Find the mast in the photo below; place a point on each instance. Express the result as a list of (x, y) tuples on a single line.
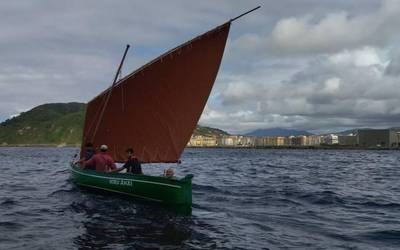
[(109, 93), (247, 12)]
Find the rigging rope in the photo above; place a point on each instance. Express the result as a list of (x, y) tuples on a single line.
[(109, 93)]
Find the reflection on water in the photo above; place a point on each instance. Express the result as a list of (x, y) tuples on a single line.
[(109, 223)]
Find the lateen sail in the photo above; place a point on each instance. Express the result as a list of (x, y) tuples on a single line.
[(156, 108)]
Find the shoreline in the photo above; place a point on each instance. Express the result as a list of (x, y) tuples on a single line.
[(322, 147), (305, 147), (40, 146)]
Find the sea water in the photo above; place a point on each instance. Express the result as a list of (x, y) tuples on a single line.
[(242, 199)]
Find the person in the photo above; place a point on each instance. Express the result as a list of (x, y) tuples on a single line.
[(169, 173), (132, 165), (89, 153), (102, 161)]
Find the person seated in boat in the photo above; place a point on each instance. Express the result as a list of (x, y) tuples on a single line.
[(169, 173), (89, 153), (102, 161), (132, 165)]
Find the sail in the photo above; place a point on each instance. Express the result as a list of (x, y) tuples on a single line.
[(155, 109)]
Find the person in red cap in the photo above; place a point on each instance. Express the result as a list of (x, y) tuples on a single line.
[(102, 161)]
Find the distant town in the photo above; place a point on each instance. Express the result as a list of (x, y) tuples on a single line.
[(362, 138), (60, 124)]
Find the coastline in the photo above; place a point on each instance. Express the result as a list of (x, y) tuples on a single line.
[(319, 147), (41, 146)]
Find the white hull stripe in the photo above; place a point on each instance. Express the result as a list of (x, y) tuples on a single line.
[(111, 190), (105, 177)]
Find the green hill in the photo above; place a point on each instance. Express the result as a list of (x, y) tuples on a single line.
[(207, 131), (56, 124)]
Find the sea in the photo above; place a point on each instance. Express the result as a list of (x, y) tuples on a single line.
[(242, 199)]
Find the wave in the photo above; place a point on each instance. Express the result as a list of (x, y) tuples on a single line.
[(10, 225), (322, 198), (62, 192), (8, 202), (387, 236), (210, 189), (379, 204)]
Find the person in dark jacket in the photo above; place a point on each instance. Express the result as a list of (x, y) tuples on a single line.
[(132, 165), (89, 153)]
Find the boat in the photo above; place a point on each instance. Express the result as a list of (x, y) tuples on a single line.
[(153, 110), (175, 192)]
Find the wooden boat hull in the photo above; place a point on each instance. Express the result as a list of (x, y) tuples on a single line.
[(154, 188)]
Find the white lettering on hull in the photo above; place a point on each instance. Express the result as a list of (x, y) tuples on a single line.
[(121, 182)]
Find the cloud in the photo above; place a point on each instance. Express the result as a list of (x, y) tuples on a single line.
[(341, 90), (327, 32)]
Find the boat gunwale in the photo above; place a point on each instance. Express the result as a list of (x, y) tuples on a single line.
[(120, 192), (156, 180)]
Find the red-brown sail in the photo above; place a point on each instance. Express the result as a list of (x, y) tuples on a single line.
[(156, 108)]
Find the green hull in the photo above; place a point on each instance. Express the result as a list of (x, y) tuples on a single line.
[(159, 189)]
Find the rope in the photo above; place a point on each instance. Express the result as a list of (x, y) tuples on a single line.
[(109, 93)]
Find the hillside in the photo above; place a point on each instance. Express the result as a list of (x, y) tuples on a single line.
[(56, 124), (277, 132), (208, 131)]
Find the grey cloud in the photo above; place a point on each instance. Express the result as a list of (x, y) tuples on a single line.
[(322, 32), (393, 68), (342, 90)]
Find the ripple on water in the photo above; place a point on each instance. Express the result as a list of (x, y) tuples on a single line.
[(322, 198), (385, 237), (8, 202), (242, 199)]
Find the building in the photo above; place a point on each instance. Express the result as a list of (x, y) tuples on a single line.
[(371, 138), (299, 140), (271, 141), (228, 141), (330, 139), (280, 141), (260, 141), (202, 141), (296, 140), (347, 140), (248, 141), (314, 140), (398, 139)]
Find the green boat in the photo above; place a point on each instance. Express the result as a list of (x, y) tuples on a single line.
[(171, 192), (154, 111)]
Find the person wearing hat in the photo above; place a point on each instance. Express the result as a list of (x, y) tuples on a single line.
[(102, 161)]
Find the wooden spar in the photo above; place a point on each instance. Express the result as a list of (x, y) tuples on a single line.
[(109, 93), (233, 19), (120, 65)]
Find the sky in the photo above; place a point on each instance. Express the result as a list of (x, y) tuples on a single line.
[(321, 66)]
